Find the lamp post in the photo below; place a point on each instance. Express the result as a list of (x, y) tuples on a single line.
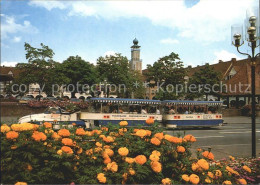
[(252, 39)]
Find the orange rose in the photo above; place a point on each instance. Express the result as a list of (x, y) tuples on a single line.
[(208, 155), (12, 135), (246, 168), (64, 133), (241, 181), (39, 136), (159, 135), (67, 141), (155, 141), (203, 164), (140, 159), (149, 121), (156, 166), (180, 149), (190, 138), (55, 136), (67, 149), (47, 125), (80, 132)]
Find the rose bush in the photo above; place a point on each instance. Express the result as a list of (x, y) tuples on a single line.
[(113, 155)]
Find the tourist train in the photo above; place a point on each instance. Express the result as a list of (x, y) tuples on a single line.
[(103, 111)]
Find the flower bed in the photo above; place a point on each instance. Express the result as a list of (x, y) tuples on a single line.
[(114, 155)]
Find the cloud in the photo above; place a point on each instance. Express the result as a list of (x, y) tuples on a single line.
[(49, 5), (80, 8), (9, 64), (207, 21), (169, 41), (224, 56), (16, 39), (10, 26), (110, 53)]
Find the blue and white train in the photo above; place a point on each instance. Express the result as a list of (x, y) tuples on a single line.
[(169, 113), (181, 113)]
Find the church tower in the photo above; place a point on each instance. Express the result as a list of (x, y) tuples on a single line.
[(135, 62)]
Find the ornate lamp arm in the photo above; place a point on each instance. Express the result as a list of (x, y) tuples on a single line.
[(244, 53), (258, 54)]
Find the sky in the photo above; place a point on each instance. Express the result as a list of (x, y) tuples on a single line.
[(198, 30)]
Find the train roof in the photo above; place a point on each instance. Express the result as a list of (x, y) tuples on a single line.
[(125, 100), (190, 102), (154, 102)]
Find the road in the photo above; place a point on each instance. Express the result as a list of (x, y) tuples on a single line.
[(231, 139)]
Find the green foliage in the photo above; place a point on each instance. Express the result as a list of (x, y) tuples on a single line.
[(40, 69), (79, 72), (204, 81), (115, 69), (168, 70)]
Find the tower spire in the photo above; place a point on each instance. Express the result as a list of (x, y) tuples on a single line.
[(135, 62)]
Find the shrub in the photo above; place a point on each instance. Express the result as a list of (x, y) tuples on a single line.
[(113, 154)]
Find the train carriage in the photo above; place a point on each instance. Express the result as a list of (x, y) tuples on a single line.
[(110, 110), (181, 113)]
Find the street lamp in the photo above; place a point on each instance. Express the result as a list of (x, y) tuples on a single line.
[(252, 38)]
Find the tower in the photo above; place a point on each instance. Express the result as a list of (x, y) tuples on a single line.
[(135, 62)]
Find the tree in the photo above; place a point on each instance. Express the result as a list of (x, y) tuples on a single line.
[(168, 73), (115, 70), (202, 82), (80, 74), (40, 68)]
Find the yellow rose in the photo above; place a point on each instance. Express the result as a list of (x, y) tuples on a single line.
[(227, 183), (185, 177), (194, 179), (112, 166), (166, 181), (123, 151), (5, 128), (246, 168), (101, 178), (123, 123), (129, 160), (59, 152), (132, 171)]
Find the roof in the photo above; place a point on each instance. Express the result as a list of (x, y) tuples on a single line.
[(242, 76), (124, 100), (188, 102), (5, 71), (221, 67)]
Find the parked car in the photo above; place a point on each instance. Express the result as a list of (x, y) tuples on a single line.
[(25, 100), (50, 98), (75, 100)]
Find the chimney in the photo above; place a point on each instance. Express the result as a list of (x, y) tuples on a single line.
[(189, 66), (220, 61), (233, 60)]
